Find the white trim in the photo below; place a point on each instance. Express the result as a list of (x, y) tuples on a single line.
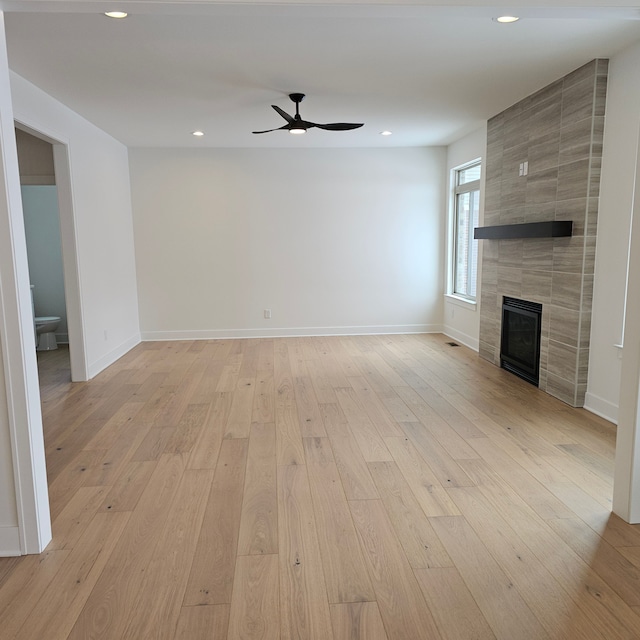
[(601, 407), (466, 303), (288, 332), (100, 365), (18, 340), (69, 243), (459, 336), (10, 542), (70, 263)]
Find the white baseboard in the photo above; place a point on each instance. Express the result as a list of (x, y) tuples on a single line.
[(100, 365), (459, 336), (601, 407), (10, 542), (288, 332)]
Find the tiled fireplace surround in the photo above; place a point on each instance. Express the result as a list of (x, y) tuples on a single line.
[(558, 131)]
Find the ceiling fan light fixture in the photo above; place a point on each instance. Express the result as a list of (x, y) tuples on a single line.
[(297, 126)]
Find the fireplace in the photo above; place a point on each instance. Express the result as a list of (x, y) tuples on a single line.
[(520, 345)]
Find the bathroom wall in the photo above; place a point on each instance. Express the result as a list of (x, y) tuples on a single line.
[(42, 230), (559, 132)]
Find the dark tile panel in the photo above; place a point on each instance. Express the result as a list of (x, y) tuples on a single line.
[(566, 290), (573, 180), (594, 176), (574, 210), (576, 140), (537, 254), (536, 286), (585, 329), (537, 100), (601, 96), (540, 212), (568, 254), (578, 101), (545, 119), (514, 192), (563, 361), (512, 157), (510, 253), (584, 73), (602, 68), (589, 255), (509, 282), (565, 325), (564, 390), (542, 186), (593, 205), (544, 152), (487, 352), (512, 215)]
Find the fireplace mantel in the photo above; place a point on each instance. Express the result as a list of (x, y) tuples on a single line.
[(552, 229)]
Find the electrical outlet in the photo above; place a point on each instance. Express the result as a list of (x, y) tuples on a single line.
[(267, 314)]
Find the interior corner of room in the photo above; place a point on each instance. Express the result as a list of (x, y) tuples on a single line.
[(170, 243)]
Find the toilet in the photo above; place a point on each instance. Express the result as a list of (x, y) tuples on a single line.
[(45, 332), (45, 328)]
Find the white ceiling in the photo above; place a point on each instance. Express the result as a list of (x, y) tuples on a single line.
[(428, 73)]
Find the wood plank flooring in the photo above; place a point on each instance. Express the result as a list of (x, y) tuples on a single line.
[(330, 488)]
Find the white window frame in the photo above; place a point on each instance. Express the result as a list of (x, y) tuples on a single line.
[(453, 218)]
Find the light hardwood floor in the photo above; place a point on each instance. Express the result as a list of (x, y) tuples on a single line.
[(370, 487)]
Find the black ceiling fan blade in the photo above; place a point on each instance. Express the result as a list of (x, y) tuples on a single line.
[(339, 126), (284, 114), (286, 126)]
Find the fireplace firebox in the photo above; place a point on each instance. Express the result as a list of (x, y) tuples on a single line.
[(520, 345)]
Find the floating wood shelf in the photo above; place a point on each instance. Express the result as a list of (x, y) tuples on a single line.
[(553, 229)]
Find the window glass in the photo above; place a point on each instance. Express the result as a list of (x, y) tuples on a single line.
[(467, 209)]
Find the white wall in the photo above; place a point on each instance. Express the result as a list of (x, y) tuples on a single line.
[(25, 525), (102, 214), (461, 318), (616, 199), (42, 231), (331, 240)]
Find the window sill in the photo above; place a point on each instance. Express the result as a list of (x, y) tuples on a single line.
[(461, 302)]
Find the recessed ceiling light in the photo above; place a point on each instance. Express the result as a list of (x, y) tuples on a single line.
[(385, 133), (507, 19), (116, 14), (198, 134)]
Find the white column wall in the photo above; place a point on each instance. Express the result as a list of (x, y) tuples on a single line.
[(461, 318), (612, 246), (102, 223), (24, 507)]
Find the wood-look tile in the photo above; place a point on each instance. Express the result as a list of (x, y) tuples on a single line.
[(524, 457), (345, 573), (499, 601), (402, 606)]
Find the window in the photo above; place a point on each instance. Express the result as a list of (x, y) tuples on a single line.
[(465, 219)]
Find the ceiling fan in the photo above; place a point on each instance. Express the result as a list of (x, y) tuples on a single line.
[(295, 124)]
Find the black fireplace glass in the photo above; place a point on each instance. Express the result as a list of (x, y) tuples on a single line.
[(520, 347)]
